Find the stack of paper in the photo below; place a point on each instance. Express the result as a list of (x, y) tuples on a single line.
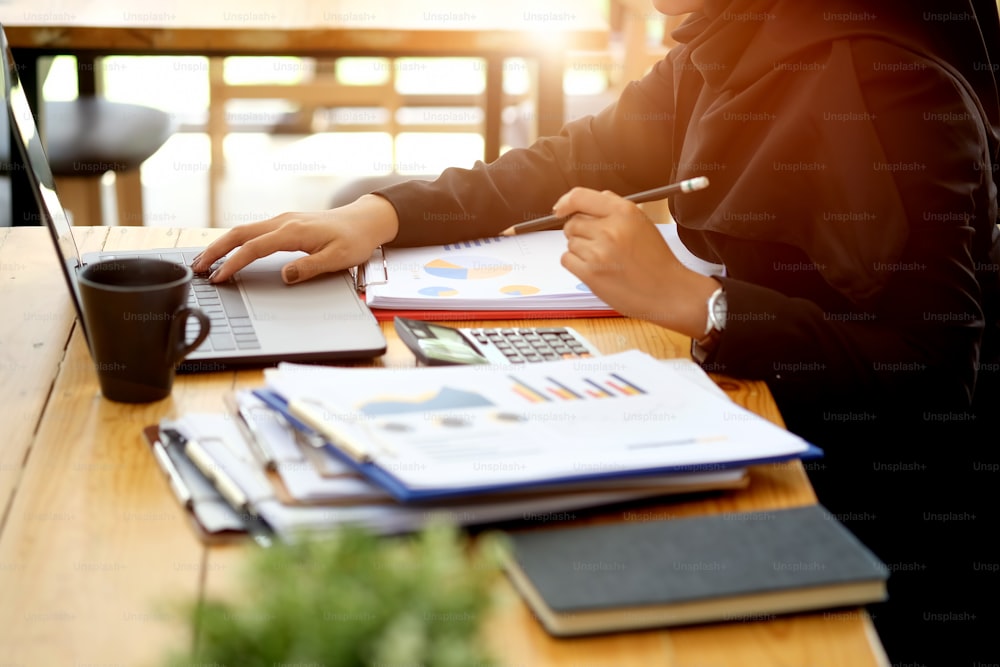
[(264, 477), (500, 273), (389, 449), (520, 273), (461, 431)]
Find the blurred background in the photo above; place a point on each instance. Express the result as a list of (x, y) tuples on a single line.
[(286, 147)]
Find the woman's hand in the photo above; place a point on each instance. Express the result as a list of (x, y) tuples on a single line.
[(335, 239), (619, 253)]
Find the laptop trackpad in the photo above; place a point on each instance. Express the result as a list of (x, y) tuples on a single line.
[(325, 297)]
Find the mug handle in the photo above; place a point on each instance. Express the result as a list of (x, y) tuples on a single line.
[(181, 350)]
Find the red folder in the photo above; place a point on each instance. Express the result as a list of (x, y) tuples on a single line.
[(386, 314)]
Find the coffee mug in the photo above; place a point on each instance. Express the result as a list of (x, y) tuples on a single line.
[(135, 314)]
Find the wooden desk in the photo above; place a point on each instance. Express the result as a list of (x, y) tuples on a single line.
[(93, 543), (494, 31)]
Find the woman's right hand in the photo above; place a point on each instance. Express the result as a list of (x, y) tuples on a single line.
[(335, 239)]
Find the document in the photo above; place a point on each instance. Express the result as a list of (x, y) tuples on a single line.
[(222, 452), (432, 432), (504, 273)]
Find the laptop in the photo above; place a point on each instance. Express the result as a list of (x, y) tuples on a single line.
[(257, 319)]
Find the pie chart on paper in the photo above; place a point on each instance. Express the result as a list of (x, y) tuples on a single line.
[(467, 267), (438, 291), (519, 290)]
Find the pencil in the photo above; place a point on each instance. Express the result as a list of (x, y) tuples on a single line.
[(555, 222)]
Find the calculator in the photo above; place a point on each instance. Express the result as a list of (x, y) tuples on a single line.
[(439, 345)]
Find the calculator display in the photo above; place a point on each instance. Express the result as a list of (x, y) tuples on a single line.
[(449, 345)]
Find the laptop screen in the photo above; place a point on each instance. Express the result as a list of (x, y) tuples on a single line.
[(24, 133), (320, 320)]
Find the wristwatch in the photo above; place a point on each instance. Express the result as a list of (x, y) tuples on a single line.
[(716, 323)]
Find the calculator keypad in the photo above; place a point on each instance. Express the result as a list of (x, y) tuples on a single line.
[(532, 345)]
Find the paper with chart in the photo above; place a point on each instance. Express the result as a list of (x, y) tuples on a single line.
[(351, 500), (490, 426), (498, 273)]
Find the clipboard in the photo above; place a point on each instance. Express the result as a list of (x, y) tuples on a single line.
[(388, 517), (211, 517), (368, 273)]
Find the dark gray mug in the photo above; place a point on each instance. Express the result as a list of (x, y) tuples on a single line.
[(135, 313)]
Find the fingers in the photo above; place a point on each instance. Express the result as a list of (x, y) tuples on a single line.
[(586, 206), (576, 265), (587, 201), (581, 248), (311, 266), (287, 236), (591, 261), (248, 243), (235, 237)]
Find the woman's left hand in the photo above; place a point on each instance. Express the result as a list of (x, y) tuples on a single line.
[(615, 249)]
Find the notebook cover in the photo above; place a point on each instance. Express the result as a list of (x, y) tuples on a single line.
[(630, 564)]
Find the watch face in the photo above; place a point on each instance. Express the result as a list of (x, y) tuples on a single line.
[(719, 311), (720, 308)]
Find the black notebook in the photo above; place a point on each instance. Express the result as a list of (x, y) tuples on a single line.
[(724, 567)]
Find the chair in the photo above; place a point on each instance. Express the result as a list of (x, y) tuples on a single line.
[(324, 91), (90, 136), (628, 21)]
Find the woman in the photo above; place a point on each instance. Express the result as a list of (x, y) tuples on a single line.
[(852, 152)]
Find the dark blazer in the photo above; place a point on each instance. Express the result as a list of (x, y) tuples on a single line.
[(852, 202), (852, 154)]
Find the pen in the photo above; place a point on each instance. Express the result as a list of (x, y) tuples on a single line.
[(555, 221), (255, 439), (173, 475), (338, 434), (255, 526)]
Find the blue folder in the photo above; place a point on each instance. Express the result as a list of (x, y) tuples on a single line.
[(405, 494)]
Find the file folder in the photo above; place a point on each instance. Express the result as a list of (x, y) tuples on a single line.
[(498, 407)]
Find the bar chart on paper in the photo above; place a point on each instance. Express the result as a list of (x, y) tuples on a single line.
[(579, 388)]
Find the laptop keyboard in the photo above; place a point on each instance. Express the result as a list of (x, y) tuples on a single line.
[(232, 329)]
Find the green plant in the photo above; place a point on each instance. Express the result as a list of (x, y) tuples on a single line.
[(353, 598)]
